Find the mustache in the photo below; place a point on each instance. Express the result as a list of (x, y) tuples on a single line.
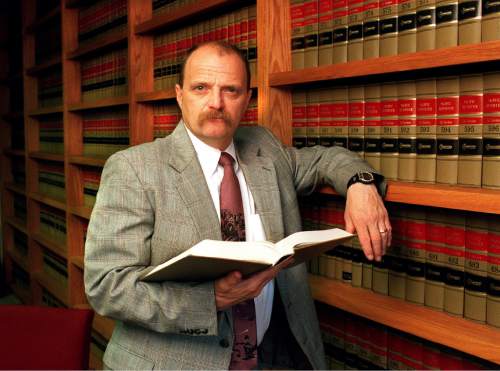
[(215, 115)]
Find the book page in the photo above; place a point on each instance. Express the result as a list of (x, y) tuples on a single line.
[(308, 238)]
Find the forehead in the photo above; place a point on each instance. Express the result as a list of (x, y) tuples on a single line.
[(210, 63)]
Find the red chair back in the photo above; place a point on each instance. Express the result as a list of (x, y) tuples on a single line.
[(34, 337)]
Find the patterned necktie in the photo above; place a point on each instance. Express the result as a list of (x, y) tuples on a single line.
[(244, 356)]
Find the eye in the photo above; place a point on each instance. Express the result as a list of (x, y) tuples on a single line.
[(199, 87), (231, 89)]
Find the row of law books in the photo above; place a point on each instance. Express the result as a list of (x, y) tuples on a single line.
[(51, 134), (105, 132), (48, 41), (446, 260), (238, 28), (101, 18), (20, 208), (355, 343), (338, 31), (51, 180), (50, 89), (168, 6), (55, 266), (434, 130), (91, 179), (52, 223), (104, 76)]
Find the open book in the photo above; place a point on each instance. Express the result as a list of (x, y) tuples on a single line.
[(209, 259)]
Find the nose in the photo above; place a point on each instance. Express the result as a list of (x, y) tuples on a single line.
[(215, 100)]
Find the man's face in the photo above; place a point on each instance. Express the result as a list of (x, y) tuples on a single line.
[(214, 95)]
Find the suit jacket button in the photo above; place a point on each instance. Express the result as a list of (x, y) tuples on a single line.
[(224, 343)]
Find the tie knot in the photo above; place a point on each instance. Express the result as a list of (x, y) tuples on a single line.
[(226, 159)]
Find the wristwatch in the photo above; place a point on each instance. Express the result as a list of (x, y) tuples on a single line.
[(361, 177)]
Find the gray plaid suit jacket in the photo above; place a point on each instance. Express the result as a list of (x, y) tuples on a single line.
[(153, 203)]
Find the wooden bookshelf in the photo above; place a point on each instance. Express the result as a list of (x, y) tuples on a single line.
[(468, 336), (42, 21), (77, 261), (87, 161), (81, 211), (18, 259), (430, 59), (16, 223), (99, 103), (55, 288), (56, 247), (58, 204), (155, 96), (104, 42), (16, 188), (42, 67), (22, 294), (47, 156), (45, 111), (14, 152)]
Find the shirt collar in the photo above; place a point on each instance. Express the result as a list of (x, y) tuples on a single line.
[(209, 156)]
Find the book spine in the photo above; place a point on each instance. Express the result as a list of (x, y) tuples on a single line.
[(389, 131), (426, 25), (426, 131), (469, 22), (476, 267), (325, 32), (356, 96), (388, 27), (297, 25), (371, 29), (415, 243), (470, 130), (252, 39), (446, 23), (372, 125), (312, 112), (493, 293), (378, 335), (299, 118), (407, 131), (407, 26), (491, 131), (340, 116), (489, 20), (311, 33), (355, 30), (325, 117), (397, 255), (447, 89), (340, 26)]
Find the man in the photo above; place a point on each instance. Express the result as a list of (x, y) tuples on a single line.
[(158, 199)]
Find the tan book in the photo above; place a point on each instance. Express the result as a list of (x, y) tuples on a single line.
[(371, 31), (426, 130), (297, 20), (493, 291), (252, 40), (211, 259), (446, 23), (357, 263), (388, 27), (447, 90), (312, 113), (372, 125), (340, 116), (311, 33), (326, 128), (469, 22), (355, 30), (325, 32), (476, 267), (407, 26), (397, 253), (470, 130), (435, 258), (389, 131), (415, 247), (407, 130), (455, 254), (490, 25), (299, 118), (339, 31), (426, 25), (243, 19), (380, 277), (356, 136), (491, 131)]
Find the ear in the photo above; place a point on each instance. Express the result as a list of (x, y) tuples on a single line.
[(178, 93)]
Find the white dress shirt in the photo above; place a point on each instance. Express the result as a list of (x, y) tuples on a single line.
[(254, 231)]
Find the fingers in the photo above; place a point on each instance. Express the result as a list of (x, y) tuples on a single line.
[(365, 241)]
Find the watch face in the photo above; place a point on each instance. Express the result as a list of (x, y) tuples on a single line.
[(365, 177)]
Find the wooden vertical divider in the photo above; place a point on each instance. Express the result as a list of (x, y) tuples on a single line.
[(140, 72), (274, 55)]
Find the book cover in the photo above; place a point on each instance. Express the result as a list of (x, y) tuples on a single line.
[(340, 116), (388, 28), (355, 15), (90, 179), (447, 90), (397, 254), (491, 131), (326, 128), (311, 33), (356, 134), (407, 26), (371, 30), (407, 130), (325, 32), (378, 335), (426, 130), (476, 267), (252, 39), (210, 259), (340, 31), (426, 25), (312, 116), (469, 22), (297, 25), (415, 245), (372, 125), (493, 291), (389, 131), (299, 118), (489, 20), (446, 23), (470, 130)]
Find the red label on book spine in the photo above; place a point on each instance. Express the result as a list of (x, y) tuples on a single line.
[(407, 107), (426, 122), (427, 106), (340, 110), (477, 241), (471, 104), (389, 108), (372, 109), (492, 103), (447, 106)]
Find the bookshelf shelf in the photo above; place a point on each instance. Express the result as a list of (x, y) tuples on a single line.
[(104, 42), (42, 21), (468, 336), (459, 55), (18, 259), (77, 261), (55, 288), (58, 204), (13, 117), (87, 161), (42, 67), (198, 9), (16, 223), (104, 326), (56, 247), (13, 187), (47, 156), (14, 152), (155, 96), (45, 111), (101, 103), (438, 195), (81, 211)]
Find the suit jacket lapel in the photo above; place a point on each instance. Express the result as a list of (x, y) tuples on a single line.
[(192, 186)]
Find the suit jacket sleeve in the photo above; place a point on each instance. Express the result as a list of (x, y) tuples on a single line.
[(117, 251)]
